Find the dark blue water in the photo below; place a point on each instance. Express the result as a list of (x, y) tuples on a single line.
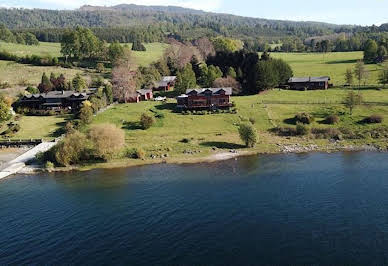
[(320, 209)]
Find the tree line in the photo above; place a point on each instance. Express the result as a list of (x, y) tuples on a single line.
[(18, 37)]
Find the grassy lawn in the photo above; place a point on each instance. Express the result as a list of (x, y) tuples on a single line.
[(220, 130), (43, 49), (329, 64), (21, 75), (154, 53), (46, 127)]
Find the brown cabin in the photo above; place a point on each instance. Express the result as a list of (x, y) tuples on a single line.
[(141, 95), (309, 83), (209, 98), (53, 100), (166, 84)]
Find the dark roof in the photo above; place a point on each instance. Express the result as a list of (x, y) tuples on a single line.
[(308, 79), (57, 95), (213, 91)]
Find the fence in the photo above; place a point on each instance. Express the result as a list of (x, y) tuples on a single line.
[(19, 142)]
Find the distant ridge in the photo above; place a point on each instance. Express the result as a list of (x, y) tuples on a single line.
[(186, 22)]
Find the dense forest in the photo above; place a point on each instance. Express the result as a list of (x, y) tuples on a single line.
[(150, 23)]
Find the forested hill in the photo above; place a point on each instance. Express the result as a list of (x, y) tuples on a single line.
[(181, 22)]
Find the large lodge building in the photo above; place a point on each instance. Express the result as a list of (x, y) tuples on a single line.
[(210, 98)]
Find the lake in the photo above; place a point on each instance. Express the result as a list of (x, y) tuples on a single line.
[(274, 210)]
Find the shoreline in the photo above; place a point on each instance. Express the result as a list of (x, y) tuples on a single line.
[(215, 157)]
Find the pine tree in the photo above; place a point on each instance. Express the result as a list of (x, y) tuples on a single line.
[(185, 79), (45, 84)]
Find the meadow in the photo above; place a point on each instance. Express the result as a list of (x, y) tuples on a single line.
[(43, 49), (176, 133), (327, 64), (21, 75)]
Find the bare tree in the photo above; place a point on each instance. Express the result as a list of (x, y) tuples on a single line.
[(360, 72), (181, 53), (228, 82), (124, 78), (205, 47)]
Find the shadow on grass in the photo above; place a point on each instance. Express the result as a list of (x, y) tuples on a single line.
[(350, 61), (290, 121), (166, 106), (222, 145), (59, 131), (132, 125)]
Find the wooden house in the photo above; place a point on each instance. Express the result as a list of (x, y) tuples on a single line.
[(165, 84), (309, 83), (209, 98), (53, 100)]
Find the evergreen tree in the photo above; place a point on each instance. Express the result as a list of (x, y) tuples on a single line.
[(185, 79), (196, 66), (138, 46), (108, 91), (115, 51), (265, 76), (370, 51), (231, 73), (79, 84), (45, 84)]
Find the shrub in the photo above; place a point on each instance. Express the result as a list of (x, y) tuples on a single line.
[(71, 149), (248, 134), (140, 154), (49, 165), (86, 113), (185, 140), (302, 129), (146, 121), (374, 119), (252, 120), (326, 133), (304, 118), (285, 131), (332, 119), (136, 153), (107, 140)]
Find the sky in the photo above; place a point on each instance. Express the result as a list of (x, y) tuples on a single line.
[(358, 12)]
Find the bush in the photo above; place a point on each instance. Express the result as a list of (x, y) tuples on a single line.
[(252, 120), (332, 119), (185, 140), (304, 118), (302, 129), (107, 140), (71, 149), (374, 119), (248, 135), (140, 154), (326, 133), (146, 121), (285, 131), (136, 153), (49, 165)]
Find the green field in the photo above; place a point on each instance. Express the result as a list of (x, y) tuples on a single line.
[(43, 49), (36, 127), (329, 64), (154, 53), (220, 130), (22, 75)]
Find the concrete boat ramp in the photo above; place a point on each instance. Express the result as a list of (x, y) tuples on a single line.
[(17, 164)]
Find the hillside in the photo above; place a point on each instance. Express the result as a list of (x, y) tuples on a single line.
[(187, 23)]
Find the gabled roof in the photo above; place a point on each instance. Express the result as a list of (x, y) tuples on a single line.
[(144, 91), (57, 95), (308, 79), (168, 78), (214, 91)]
